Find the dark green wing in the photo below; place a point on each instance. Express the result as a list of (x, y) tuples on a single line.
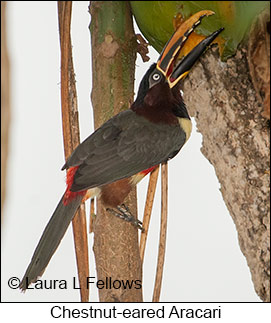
[(122, 147)]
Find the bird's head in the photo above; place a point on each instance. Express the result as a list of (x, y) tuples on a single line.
[(161, 79)]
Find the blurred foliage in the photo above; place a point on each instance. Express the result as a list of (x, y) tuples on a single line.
[(156, 20)]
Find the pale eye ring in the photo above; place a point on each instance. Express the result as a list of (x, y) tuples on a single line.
[(156, 77)]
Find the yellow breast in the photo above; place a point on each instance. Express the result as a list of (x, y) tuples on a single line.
[(186, 125)]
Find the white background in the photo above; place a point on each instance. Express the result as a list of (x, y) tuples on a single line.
[(259, 312), (203, 259)]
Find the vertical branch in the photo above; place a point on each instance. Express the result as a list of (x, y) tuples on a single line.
[(5, 101), (91, 214), (114, 46), (163, 233), (71, 136), (147, 211)]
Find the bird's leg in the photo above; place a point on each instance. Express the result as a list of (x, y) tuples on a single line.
[(124, 213)]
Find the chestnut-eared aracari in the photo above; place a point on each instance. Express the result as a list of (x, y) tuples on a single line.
[(127, 147)]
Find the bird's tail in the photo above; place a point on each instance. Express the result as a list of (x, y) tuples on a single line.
[(50, 239)]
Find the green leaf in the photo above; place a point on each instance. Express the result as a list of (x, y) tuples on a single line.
[(155, 19)]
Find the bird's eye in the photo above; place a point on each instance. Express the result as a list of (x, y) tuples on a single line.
[(156, 77)]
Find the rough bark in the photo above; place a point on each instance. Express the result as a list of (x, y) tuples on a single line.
[(5, 102), (225, 105), (113, 62)]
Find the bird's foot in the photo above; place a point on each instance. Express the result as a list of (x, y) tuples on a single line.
[(124, 213)]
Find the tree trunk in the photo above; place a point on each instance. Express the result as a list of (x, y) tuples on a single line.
[(5, 102), (113, 63), (235, 134)]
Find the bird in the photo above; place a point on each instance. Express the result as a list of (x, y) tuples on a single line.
[(127, 147)]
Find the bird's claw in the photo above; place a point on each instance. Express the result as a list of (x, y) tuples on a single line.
[(125, 214)]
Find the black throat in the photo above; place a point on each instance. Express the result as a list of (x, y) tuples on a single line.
[(159, 104)]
